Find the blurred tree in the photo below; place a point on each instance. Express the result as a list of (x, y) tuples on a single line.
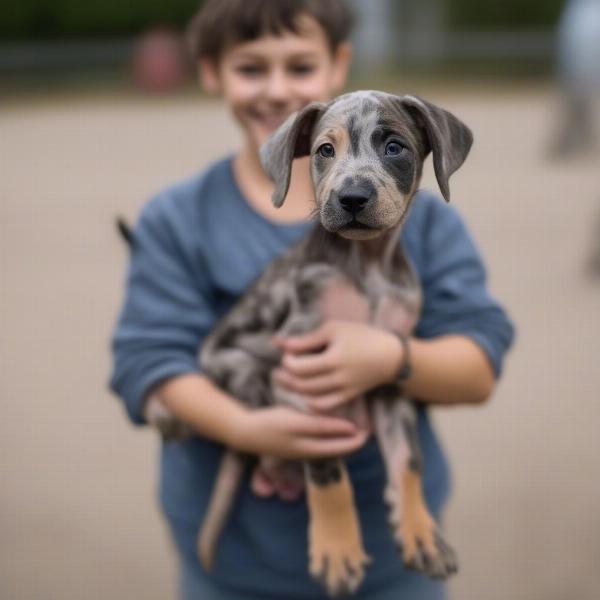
[(508, 14), (55, 19), (59, 19)]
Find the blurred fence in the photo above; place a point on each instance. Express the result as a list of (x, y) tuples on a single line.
[(35, 56), (21, 57), (37, 36)]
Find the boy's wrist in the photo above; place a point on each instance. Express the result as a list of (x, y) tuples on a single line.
[(404, 370), (218, 416), (399, 362), (239, 433)]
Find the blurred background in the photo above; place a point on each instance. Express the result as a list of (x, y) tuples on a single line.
[(99, 109)]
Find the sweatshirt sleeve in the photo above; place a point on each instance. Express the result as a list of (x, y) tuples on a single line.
[(456, 297), (167, 311)]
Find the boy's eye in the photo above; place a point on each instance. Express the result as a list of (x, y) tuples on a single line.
[(249, 69), (326, 150), (394, 149), (302, 69)]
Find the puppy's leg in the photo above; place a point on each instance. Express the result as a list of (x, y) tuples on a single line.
[(336, 554), (417, 535)]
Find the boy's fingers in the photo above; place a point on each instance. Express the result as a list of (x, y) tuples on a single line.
[(308, 342), (323, 384), (307, 364), (327, 403), (321, 426)]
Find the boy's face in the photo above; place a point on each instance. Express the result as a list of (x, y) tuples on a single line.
[(265, 80)]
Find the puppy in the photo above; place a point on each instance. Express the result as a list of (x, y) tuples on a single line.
[(366, 151)]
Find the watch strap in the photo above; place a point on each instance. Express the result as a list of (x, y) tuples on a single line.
[(405, 370)]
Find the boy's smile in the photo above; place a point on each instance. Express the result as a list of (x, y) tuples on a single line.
[(265, 80)]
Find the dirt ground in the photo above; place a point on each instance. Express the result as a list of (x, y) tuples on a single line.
[(78, 514)]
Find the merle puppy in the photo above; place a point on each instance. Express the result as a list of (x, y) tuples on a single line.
[(367, 151)]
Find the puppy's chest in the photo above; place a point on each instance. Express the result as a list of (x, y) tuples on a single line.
[(384, 303)]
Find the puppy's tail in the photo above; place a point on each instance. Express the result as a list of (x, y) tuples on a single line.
[(125, 231), (226, 485)]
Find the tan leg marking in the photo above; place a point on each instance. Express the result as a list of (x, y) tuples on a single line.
[(422, 544), (416, 524), (336, 553)]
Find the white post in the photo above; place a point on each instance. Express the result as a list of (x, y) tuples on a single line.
[(374, 35)]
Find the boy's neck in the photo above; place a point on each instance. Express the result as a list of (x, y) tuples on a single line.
[(257, 188)]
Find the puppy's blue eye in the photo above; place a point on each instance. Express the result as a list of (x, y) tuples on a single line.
[(327, 151), (394, 149)]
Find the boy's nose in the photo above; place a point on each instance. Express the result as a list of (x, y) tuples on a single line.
[(277, 87)]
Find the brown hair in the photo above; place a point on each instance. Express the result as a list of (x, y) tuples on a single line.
[(222, 23)]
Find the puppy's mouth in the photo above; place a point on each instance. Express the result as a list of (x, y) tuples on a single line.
[(365, 224), (337, 223), (356, 224), (358, 230)]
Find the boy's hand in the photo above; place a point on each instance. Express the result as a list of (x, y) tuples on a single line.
[(286, 433), (351, 358)]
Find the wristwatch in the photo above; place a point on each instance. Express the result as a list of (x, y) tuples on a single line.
[(405, 370)]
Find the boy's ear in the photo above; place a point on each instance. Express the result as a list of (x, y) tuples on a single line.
[(209, 76), (449, 138), (342, 58), (291, 140)]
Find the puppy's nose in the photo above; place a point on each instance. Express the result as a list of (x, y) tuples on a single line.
[(354, 201)]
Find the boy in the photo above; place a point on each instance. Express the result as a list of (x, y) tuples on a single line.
[(201, 243)]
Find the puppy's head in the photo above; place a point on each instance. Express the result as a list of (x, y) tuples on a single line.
[(367, 151)]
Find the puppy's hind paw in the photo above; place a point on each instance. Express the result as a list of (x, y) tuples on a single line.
[(434, 557), (339, 570)]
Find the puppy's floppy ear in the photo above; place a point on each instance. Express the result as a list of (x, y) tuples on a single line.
[(290, 141), (449, 139)]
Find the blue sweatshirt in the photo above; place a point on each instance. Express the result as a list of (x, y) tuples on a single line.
[(198, 246)]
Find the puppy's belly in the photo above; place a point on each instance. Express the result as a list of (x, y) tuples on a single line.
[(342, 301)]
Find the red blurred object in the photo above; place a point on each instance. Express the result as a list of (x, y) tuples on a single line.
[(159, 62)]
